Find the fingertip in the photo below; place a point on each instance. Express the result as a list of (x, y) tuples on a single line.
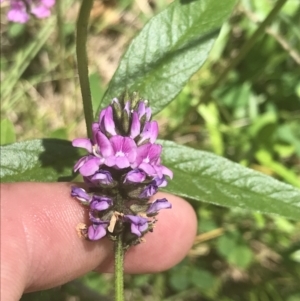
[(172, 238), (170, 241)]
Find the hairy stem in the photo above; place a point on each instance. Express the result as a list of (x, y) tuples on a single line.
[(82, 62), (119, 269)]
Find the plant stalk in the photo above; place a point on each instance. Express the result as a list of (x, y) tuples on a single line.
[(82, 62), (119, 269)]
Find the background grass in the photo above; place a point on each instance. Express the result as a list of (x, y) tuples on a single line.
[(251, 117)]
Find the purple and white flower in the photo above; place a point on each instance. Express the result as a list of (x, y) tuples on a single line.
[(135, 176), (117, 151), (96, 231), (88, 165), (81, 195), (122, 170), (100, 203), (102, 176), (139, 224)]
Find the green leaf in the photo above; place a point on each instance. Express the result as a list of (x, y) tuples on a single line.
[(225, 243), (46, 160), (202, 279), (171, 47), (7, 134), (206, 177), (240, 256)]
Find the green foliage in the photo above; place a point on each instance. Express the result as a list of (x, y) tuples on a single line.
[(7, 134), (206, 177), (234, 250), (171, 47), (47, 160)]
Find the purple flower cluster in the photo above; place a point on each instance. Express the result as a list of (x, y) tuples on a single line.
[(20, 10), (122, 170)]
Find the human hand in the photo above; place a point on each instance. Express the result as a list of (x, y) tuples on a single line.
[(40, 247)]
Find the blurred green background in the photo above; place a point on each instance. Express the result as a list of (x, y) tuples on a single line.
[(251, 116)]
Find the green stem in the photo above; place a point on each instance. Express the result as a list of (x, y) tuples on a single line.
[(244, 49), (61, 54), (82, 62), (119, 269)]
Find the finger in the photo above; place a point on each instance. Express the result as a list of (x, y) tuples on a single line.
[(42, 245), (171, 239)]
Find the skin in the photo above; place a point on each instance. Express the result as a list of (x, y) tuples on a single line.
[(40, 247)]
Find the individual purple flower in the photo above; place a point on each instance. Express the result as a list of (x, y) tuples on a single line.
[(161, 170), (135, 176), (150, 132), (135, 126), (102, 176), (117, 151), (100, 203), (106, 122), (88, 165), (139, 224), (152, 188), (158, 205), (144, 110), (147, 155), (81, 195), (96, 231)]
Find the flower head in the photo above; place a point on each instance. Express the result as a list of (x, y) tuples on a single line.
[(123, 170)]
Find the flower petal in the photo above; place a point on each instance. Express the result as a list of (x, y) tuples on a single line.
[(104, 144), (158, 205), (138, 224), (80, 194), (102, 177), (129, 149), (166, 171), (136, 219), (141, 109), (90, 166), (135, 230), (100, 203), (154, 152), (83, 143), (117, 143), (122, 162), (135, 126), (96, 232), (80, 163), (142, 153), (148, 169), (135, 176), (148, 113), (149, 191), (150, 132), (109, 121)]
